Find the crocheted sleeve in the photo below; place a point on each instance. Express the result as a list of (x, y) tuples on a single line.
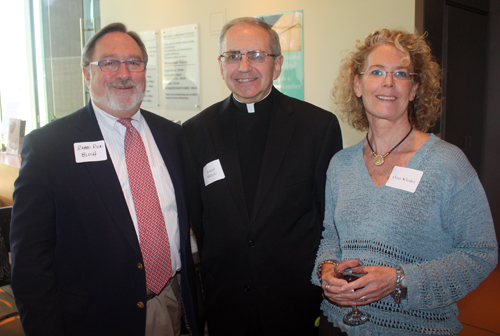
[(466, 217), (328, 248)]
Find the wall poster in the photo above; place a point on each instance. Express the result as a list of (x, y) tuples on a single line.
[(181, 71), (152, 94), (289, 27)]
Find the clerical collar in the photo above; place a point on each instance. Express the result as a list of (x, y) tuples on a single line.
[(251, 108)]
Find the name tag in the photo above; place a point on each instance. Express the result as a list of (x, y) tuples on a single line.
[(405, 179), (213, 172), (90, 151)]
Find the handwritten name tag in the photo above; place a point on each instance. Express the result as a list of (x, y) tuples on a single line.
[(213, 172), (90, 151), (405, 178)]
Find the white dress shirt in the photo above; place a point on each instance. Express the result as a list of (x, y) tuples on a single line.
[(114, 137)]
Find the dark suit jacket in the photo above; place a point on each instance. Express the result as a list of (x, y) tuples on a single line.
[(264, 261), (75, 253)]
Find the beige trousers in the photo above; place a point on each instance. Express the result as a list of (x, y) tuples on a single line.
[(164, 311)]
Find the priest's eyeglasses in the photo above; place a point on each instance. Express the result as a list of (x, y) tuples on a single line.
[(114, 65), (254, 56), (379, 74)]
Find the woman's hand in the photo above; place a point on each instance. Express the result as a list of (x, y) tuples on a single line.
[(378, 282), (335, 288)]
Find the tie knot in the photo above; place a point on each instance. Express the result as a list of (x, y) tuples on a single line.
[(127, 122)]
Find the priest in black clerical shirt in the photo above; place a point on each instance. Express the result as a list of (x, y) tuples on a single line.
[(256, 167)]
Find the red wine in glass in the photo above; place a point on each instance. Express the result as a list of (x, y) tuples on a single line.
[(349, 277)]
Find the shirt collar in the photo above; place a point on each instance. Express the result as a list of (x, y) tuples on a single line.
[(111, 122)]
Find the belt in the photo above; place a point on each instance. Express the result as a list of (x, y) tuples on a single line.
[(150, 294)]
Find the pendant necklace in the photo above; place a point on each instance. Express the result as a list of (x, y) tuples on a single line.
[(379, 159)]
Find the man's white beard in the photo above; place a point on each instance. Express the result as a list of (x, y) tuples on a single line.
[(116, 101)]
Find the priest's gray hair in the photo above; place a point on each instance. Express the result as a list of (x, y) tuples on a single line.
[(275, 39)]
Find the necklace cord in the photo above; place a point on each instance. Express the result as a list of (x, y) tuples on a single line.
[(379, 159)]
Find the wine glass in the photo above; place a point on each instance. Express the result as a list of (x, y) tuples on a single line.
[(355, 316)]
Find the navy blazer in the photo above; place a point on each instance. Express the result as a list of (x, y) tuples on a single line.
[(76, 260), (261, 262)]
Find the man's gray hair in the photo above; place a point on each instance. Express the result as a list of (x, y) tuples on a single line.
[(88, 50), (275, 39)]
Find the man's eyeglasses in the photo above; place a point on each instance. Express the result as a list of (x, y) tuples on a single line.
[(254, 56), (114, 65), (382, 74)]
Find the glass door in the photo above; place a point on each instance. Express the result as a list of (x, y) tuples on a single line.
[(42, 79), (64, 27)]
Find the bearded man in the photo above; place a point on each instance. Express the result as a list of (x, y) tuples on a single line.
[(100, 231)]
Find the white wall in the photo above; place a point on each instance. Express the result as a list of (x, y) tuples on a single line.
[(330, 29)]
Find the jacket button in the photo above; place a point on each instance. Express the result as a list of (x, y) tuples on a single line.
[(139, 266), (251, 243), (247, 288), (140, 304)]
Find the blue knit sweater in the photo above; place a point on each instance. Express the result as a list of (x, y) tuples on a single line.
[(442, 236)]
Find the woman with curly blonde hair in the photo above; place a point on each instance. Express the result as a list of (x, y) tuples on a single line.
[(405, 205)]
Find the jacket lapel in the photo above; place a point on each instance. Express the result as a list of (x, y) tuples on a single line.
[(106, 181), (222, 129), (280, 134)]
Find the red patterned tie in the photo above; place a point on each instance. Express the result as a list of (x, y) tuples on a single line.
[(155, 246)]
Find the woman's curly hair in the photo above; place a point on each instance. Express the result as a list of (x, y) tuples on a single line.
[(425, 108)]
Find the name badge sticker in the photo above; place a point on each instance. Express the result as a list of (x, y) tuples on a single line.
[(213, 172), (90, 151), (405, 178)]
